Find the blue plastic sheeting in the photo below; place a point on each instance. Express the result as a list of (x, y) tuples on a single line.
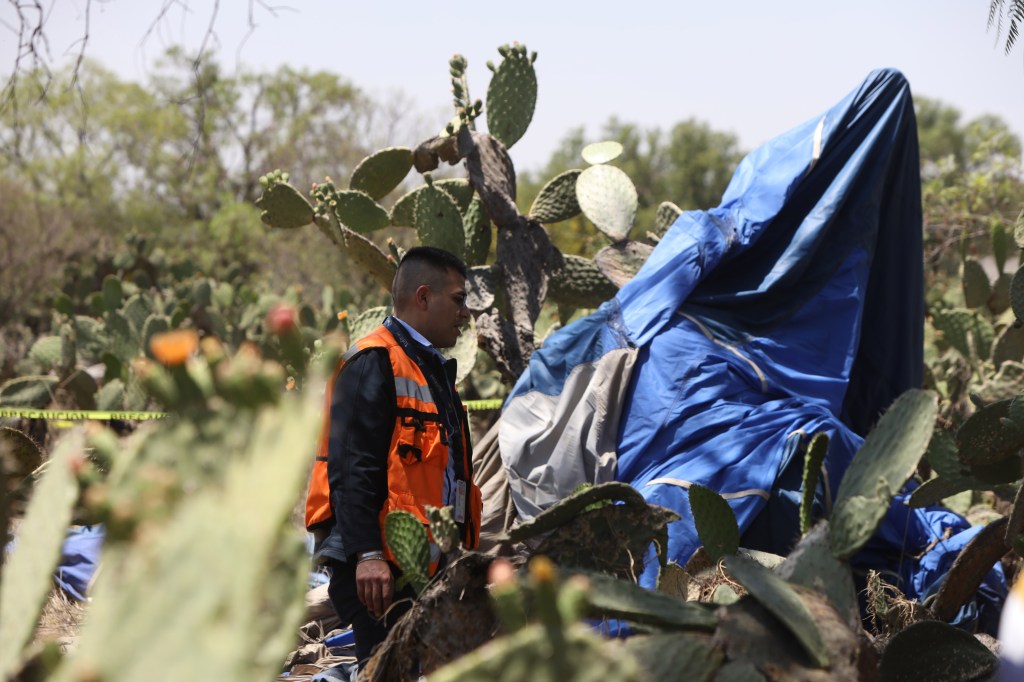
[(79, 557), (794, 307)]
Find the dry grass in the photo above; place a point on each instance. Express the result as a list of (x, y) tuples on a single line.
[(60, 621)]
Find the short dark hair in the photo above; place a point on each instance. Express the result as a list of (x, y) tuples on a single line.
[(423, 265)]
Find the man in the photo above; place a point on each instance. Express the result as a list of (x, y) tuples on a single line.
[(395, 437)]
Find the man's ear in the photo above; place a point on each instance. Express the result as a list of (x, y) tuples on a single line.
[(422, 297)]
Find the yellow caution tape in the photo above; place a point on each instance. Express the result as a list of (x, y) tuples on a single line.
[(98, 415)]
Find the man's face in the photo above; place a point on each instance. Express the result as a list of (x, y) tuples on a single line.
[(446, 311)]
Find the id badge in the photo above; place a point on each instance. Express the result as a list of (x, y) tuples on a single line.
[(460, 501)]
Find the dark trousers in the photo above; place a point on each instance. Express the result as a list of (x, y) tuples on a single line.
[(368, 631)]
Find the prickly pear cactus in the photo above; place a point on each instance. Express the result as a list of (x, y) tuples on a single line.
[(601, 152), (621, 261), (27, 572), (665, 656), (579, 283), (776, 595), (357, 211), (977, 288), (986, 438), (511, 94), (556, 200), (609, 200), (29, 391), (408, 541), (930, 650), (282, 205), (812, 472), (380, 173), (479, 233), (667, 214), (715, 522), (608, 597), (887, 458), (812, 565), (443, 528), (438, 221), (1017, 294)]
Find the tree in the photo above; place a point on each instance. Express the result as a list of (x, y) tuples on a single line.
[(1013, 13)]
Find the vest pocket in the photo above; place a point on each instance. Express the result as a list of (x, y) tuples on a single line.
[(416, 471)]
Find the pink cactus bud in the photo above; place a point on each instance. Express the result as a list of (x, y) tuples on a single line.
[(282, 319)]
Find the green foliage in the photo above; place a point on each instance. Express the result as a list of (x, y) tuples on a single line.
[(813, 460), (40, 535), (556, 201), (935, 651), (512, 95), (716, 524), (438, 221), (887, 458), (381, 172), (783, 602), (608, 198), (407, 540)]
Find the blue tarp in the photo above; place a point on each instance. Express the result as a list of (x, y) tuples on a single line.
[(794, 307)]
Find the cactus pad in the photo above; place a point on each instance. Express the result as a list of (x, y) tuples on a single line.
[(281, 205), (609, 200), (438, 221), (1009, 346), (579, 283), (47, 351), (27, 571), (111, 396), (812, 472), (365, 322), (1017, 293), (621, 261), (715, 522), (812, 565), (601, 152), (358, 211), (1018, 230), (556, 201), (113, 292), (665, 656), (931, 650), (778, 597), (478, 233), (29, 391), (464, 352), (368, 255), (985, 439), (666, 215), (887, 458), (381, 172), (613, 598), (977, 288), (407, 539), (443, 528), (511, 97)]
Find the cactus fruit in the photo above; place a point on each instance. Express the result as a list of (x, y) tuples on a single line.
[(597, 153), (621, 261), (715, 522), (556, 200), (283, 206), (985, 439), (609, 200), (930, 650), (511, 97), (976, 286), (813, 460), (27, 572), (778, 597), (579, 283), (407, 540), (378, 174), (887, 458), (438, 221)]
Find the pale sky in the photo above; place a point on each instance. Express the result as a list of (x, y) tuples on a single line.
[(749, 67)]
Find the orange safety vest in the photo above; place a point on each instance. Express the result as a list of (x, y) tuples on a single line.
[(417, 458)]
